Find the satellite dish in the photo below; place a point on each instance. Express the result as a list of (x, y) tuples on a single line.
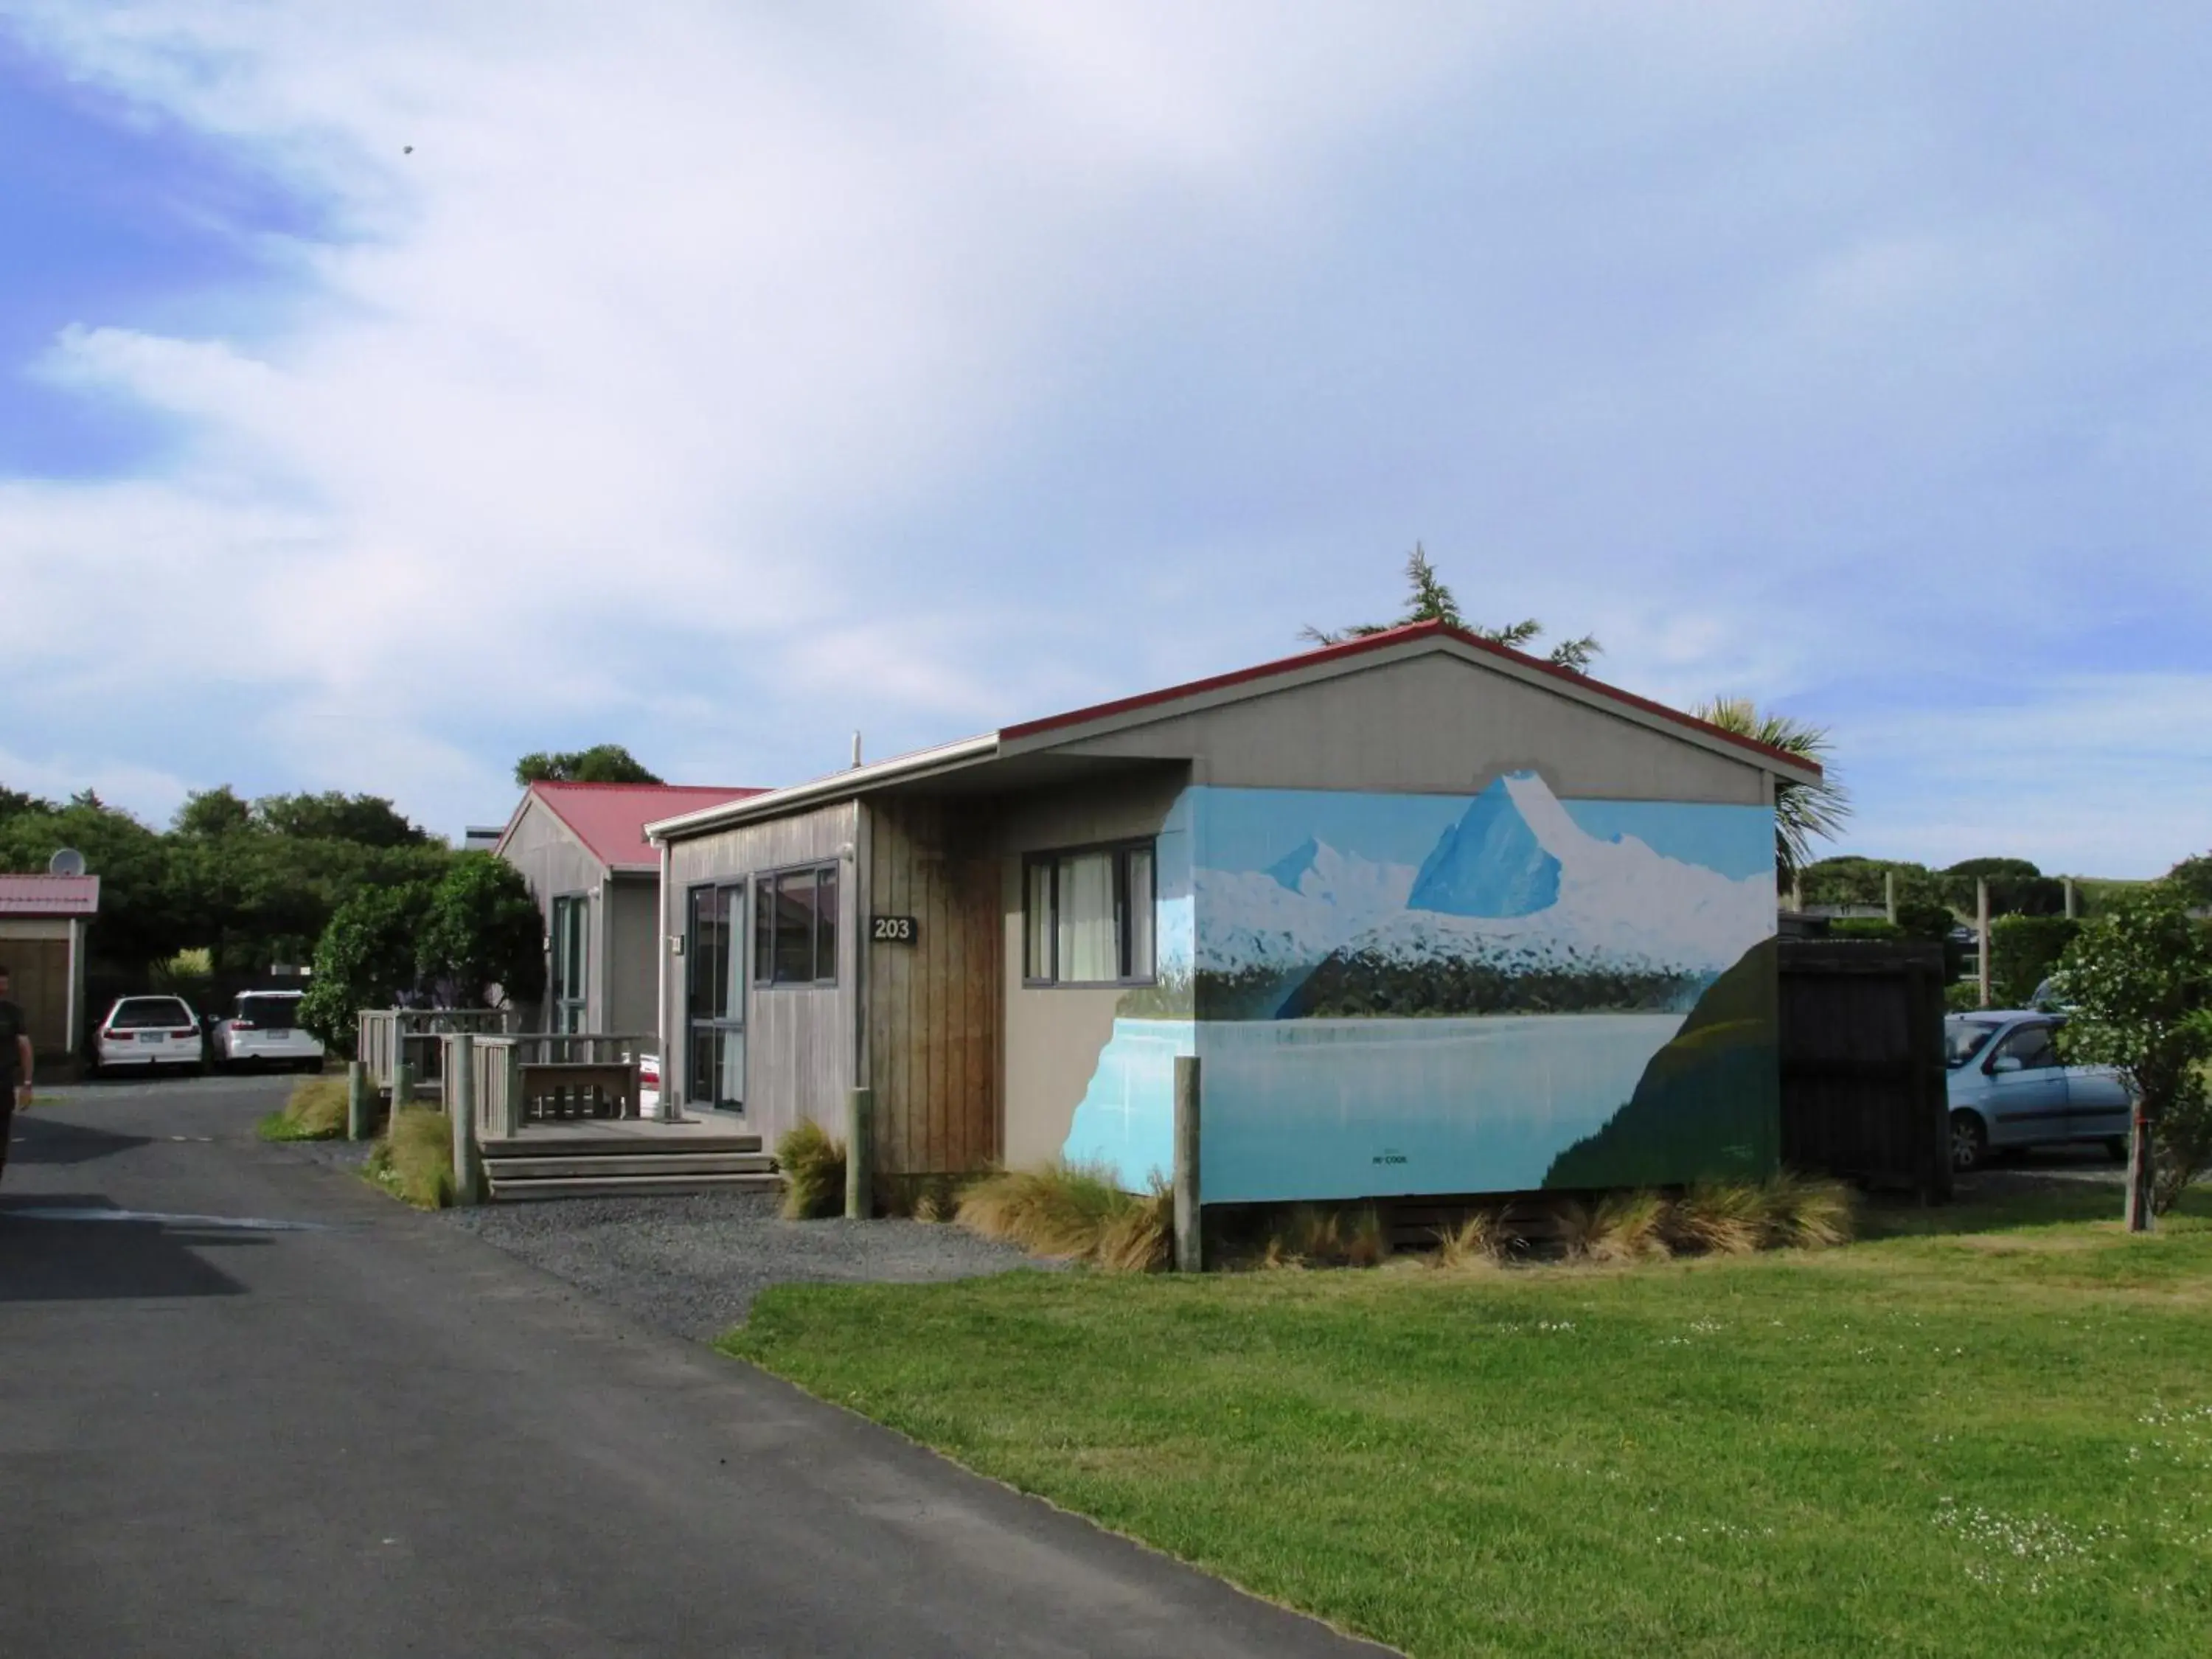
[(67, 862)]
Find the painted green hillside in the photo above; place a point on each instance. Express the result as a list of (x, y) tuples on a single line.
[(1709, 1105)]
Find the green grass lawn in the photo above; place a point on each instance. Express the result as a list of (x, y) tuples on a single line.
[(1940, 1441)]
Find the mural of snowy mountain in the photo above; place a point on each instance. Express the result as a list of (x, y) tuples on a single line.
[(1513, 890), (1298, 910)]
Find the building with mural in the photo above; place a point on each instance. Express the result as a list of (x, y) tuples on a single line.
[(1436, 917)]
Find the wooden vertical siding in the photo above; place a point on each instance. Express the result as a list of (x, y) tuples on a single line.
[(798, 1041), (934, 1006)]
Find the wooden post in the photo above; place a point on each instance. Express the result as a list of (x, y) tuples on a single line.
[(859, 1153), (1189, 1193), (2073, 900), (402, 1081), (2142, 1166), (358, 1115), (461, 1108), (1982, 933), (511, 1103), (1889, 895)]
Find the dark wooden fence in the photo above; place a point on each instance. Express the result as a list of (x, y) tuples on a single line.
[(1864, 1087)]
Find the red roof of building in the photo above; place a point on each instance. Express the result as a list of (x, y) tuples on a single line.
[(609, 818), (49, 895)]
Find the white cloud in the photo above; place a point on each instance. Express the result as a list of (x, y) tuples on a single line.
[(719, 377)]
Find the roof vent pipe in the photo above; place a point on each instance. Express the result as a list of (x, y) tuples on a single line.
[(856, 749)]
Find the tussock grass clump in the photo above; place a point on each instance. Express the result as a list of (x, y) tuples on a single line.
[(814, 1165), (1480, 1240), (1140, 1237), (1807, 1213), (1620, 1226), (1718, 1218), (1073, 1212), (1323, 1236), (316, 1110), (414, 1160)]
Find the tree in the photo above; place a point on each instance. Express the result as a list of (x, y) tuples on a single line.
[(366, 958), (144, 915), (2017, 888), (210, 813), (603, 762), (1428, 600), (2139, 980), (2192, 878), (482, 930), (364, 820), (1802, 811)]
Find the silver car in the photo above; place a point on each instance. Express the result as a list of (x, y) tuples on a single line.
[(2010, 1087)]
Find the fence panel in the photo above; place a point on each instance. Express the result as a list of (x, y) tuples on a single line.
[(1863, 1086)]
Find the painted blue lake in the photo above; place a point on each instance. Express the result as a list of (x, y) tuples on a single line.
[(1321, 1108)]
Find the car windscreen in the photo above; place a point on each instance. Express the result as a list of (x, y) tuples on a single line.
[(268, 1013), (1965, 1038), (140, 1014)]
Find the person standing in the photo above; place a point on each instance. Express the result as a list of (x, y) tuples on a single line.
[(15, 1058)]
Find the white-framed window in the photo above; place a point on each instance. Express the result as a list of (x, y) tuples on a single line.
[(1087, 916)]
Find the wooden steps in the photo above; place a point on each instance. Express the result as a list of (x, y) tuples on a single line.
[(597, 1166)]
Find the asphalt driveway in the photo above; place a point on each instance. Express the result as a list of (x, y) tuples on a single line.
[(272, 1413)]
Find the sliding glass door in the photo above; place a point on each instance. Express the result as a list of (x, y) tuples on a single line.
[(716, 998)]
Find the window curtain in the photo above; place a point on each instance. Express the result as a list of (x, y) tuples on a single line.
[(1089, 937), (1140, 901)]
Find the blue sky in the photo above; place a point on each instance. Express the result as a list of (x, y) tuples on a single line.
[(720, 379)]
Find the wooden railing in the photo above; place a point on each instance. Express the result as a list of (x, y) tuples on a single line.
[(386, 1036), (546, 1076)]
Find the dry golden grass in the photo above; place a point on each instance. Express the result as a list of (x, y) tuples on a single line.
[(1075, 1213), (1479, 1242), (1623, 1227), (315, 1110), (1140, 1239), (1804, 1212), (814, 1165), (414, 1160), (1718, 1218)]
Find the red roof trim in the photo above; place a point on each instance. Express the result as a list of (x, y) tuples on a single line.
[(1379, 642)]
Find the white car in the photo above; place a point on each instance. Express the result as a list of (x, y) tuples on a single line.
[(142, 1033), (263, 1029)]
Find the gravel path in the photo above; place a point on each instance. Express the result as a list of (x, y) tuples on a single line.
[(693, 1265)]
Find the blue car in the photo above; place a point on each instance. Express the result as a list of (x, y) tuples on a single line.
[(2010, 1087)]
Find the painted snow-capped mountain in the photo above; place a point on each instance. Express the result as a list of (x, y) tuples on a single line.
[(1514, 882), (1298, 910)]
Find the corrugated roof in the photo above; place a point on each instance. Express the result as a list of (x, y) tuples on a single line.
[(1030, 734), (609, 818), (49, 895)]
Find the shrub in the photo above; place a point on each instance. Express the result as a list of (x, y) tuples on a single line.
[(813, 1166), (1072, 1211), (315, 1111), (414, 1161), (2023, 952), (2140, 978)]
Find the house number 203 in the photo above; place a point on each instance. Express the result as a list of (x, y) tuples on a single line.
[(894, 930)]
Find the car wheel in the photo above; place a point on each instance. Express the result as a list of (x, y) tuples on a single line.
[(2116, 1148), (1970, 1142)]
